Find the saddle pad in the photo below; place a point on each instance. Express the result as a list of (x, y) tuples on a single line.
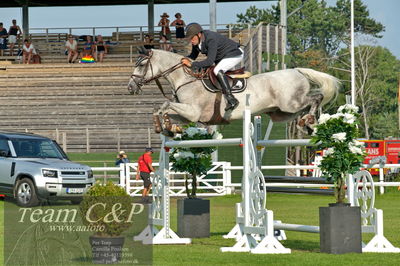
[(245, 75), (237, 85)]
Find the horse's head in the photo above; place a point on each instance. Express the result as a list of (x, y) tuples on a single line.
[(141, 74)]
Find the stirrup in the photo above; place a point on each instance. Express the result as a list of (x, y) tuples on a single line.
[(232, 106)]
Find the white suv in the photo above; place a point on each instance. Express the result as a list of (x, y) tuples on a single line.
[(33, 167)]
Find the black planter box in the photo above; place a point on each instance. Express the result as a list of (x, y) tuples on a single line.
[(106, 250), (193, 218), (340, 229)]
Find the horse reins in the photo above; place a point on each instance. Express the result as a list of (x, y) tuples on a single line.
[(163, 74)]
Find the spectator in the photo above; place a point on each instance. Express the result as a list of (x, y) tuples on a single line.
[(71, 46), (165, 44), (29, 54), (164, 23), (3, 39), (148, 42), (121, 158), (88, 47), (101, 49), (144, 169), (13, 35), (180, 26)]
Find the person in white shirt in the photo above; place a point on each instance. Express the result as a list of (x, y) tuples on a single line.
[(71, 46), (28, 51)]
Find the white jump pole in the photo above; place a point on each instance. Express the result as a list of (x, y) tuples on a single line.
[(160, 208)]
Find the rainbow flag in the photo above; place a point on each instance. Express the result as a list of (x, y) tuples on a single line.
[(87, 59)]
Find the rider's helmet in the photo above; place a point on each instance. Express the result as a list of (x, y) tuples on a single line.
[(192, 29)]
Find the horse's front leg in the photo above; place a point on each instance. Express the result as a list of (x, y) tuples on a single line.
[(185, 111), (156, 116)]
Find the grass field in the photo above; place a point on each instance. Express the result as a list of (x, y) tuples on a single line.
[(301, 209)]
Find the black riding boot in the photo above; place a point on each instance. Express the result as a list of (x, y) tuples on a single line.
[(226, 89)]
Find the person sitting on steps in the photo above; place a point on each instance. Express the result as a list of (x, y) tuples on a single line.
[(220, 50)]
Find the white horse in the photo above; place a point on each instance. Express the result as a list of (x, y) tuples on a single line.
[(282, 94)]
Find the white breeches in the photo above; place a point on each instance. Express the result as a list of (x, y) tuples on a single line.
[(228, 63)]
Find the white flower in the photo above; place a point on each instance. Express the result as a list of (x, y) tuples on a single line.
[(183, 155), (202, 131), (186, 154), (349, 118), (355, 149), (337, 115), (328, 152), (315, 131), (178, 135), (358, 143), (323, 118), (217, 135), (348, 107), (191, 131), (339, 137)]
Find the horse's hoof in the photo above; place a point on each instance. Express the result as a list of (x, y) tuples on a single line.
[(167, 122), (301, 123), (176, 129), (167, 133), (157, 123), (157, 130), (310, 120)]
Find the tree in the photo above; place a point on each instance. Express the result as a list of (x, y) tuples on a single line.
[(376, 87), (316, 26)]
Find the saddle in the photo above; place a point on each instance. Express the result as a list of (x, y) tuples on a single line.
[(237, 79)]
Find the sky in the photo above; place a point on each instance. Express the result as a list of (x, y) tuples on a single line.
[(384, 11)]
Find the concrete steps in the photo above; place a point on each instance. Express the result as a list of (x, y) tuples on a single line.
[(66, 101)]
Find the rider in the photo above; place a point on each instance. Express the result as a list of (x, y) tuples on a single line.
[(220, 50)]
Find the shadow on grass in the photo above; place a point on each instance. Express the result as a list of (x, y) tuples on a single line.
[(303, 245), (218, 233)]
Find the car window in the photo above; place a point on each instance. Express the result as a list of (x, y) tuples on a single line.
[(36, 148), (4, 146)]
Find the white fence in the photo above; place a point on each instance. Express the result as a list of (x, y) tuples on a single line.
[(218, 180)]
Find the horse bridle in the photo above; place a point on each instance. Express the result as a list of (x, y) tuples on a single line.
[(143, 81)]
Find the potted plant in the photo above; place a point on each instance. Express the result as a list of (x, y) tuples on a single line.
[(193, 213), (106, 209), (336, 135)]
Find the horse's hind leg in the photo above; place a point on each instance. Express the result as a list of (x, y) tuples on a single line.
[(309, 119)]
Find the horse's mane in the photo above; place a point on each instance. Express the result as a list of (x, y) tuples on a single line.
[(172, 56)]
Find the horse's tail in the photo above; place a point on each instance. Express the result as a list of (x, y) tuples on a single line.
[(326, 84)]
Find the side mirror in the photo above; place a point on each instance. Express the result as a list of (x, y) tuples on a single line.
[(3, 153)]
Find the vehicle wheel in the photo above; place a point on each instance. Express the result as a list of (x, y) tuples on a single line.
[(26, 193), (76, 201)]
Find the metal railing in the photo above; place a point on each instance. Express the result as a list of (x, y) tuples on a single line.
[(138, 31)]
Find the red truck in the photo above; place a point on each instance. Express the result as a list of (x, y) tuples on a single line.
[(388, 148)]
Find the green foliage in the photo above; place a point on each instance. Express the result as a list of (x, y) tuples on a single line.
[(105, 199), (194, 161), (380, 88), (254, 16), (343, 154), (313, 25)]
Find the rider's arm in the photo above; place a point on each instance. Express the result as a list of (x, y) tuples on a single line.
[(194, 54), (211, 55)]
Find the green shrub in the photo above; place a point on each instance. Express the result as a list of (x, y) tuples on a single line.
[(107, 207)]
